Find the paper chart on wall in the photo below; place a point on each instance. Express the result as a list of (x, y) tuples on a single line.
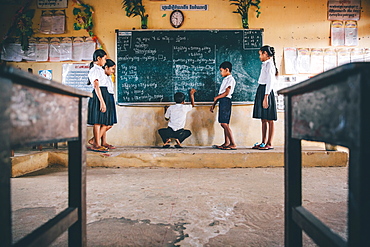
[(357, 55), (88, 49), (344, 56), (366, 55), (330, 59), (290, 60), (66, 49), (12, 52), (55, 50), (303, 60), (337, 33), (76, 75), (30, 54), (350, 33), (42, 50), (317, 61), (77, 48)]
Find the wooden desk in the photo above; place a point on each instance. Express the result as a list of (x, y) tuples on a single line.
[(33, 111), (331, 107)]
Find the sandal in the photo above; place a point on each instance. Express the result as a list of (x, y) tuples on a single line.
[(229, 148), (257, 146), (219, 146), (166, 146), (109, 146), (99, 149), (265, 147), (178, 146)]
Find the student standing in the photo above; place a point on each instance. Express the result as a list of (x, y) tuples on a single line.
[(224, 99), (109, 69), (264, 102), (97, 105)]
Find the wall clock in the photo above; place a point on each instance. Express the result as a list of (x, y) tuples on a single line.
[(176, 18)]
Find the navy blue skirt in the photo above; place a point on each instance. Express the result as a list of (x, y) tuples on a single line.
[(95, 116), (258, 111)]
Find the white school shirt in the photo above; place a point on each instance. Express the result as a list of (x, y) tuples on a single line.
[(228, 81), (110, 85), (98, 73), (267, 76), (177, 115)]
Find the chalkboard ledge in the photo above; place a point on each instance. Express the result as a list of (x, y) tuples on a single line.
[(161, 104)]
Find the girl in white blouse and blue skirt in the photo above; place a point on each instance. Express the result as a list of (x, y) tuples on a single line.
[(264, 102)]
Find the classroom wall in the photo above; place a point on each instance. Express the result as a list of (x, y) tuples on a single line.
[(301, 23)]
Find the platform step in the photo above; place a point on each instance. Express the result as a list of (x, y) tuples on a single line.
[(187, 157)]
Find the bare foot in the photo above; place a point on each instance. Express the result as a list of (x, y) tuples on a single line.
[(91, 141)]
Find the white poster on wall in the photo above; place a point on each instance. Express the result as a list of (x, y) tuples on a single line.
[(76, 75), (350, 33), (290, 60), (317, 61), (303, 60), (330, 59)]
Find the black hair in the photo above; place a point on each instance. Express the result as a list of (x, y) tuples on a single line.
[(179, 97), (109, 63), (271, 53), (226, 65), (97, 53)]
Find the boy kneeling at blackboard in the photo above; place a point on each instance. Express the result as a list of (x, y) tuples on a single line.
[(176, 115)]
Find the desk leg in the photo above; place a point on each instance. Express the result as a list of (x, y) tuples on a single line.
[(292, 180), (77, 180), (5, 163)]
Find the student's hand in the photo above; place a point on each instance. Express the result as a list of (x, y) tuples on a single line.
[(103, 107), (212, 108), (265, 103), (193, 91)]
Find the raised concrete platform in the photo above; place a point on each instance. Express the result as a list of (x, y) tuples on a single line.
[(26, 161)]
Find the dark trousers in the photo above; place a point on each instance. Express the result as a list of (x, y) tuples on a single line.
[(168, 133)]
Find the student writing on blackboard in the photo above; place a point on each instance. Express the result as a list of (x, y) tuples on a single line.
[(224, 109), (176, 115), (264, 104), (97, 109), (109, 69)]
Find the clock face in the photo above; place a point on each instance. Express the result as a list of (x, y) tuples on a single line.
[(177, 18), (46, 74)]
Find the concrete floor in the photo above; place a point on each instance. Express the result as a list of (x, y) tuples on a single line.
[(181, 207)]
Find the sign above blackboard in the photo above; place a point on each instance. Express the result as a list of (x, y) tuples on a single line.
[(154, 64)]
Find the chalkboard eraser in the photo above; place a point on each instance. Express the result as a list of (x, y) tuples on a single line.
[(133, 28)]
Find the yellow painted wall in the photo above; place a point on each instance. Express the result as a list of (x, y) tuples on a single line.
[(300, 23)]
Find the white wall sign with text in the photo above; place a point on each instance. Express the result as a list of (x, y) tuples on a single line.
[(52, 4), (184, 7), (344, 10)]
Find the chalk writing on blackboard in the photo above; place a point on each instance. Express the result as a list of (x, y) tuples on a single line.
[(154, 64)]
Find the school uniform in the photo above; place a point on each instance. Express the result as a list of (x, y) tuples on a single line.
[(95, 116), (265, 83), (224, 107), (177, 118)]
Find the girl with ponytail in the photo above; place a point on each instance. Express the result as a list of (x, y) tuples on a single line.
[(97, 108), (264, 103)]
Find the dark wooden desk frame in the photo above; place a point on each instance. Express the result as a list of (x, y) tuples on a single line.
[(34, 110), (332, 107)]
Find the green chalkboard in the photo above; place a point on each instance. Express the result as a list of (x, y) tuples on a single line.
[(152, 65)]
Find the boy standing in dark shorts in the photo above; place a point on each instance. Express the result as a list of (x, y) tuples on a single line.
[(224, 97)]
